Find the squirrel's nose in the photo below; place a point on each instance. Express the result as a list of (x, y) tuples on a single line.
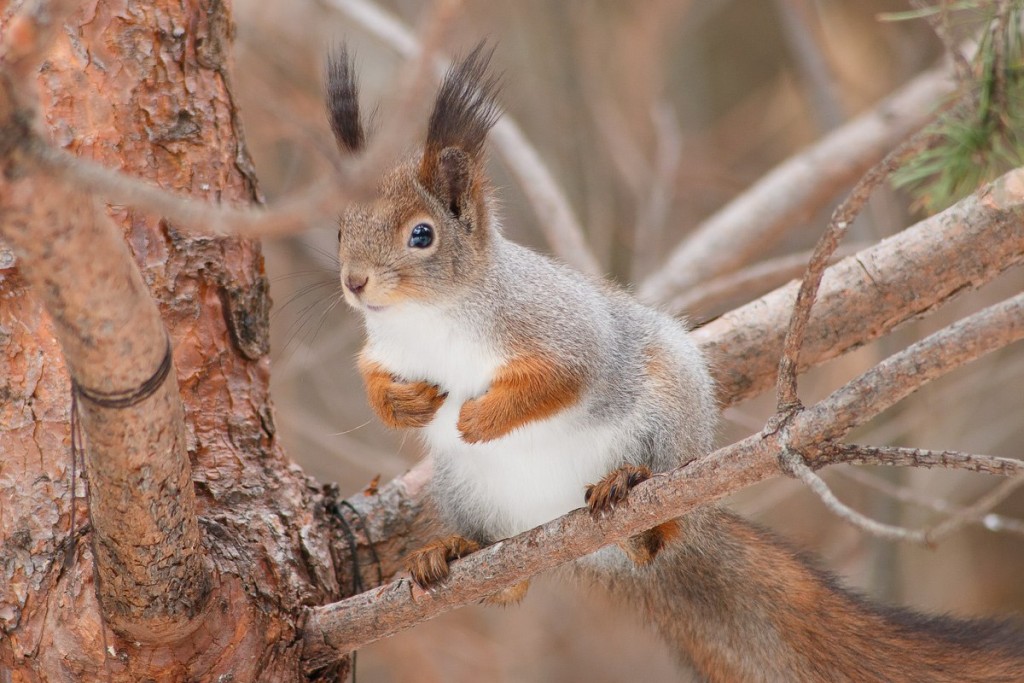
[(356, 283)]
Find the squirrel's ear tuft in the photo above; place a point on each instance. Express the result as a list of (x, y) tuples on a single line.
[(342, 94), (464, 111), (453, 183)]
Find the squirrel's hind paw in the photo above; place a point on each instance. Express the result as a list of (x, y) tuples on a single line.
[(614, 488), (429, 564)]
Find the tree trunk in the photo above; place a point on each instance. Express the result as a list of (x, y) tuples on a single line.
[(143, 87)]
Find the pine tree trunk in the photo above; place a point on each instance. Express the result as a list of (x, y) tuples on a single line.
[(143, 86)]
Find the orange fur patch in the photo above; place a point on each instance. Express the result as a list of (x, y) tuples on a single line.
[(643, 548), (526, 389), (399, 404), (513, 595)]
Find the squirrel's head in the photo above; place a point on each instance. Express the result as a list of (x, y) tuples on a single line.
[(427, 234)]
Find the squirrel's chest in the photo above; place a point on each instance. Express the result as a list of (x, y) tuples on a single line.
[(418, 343)]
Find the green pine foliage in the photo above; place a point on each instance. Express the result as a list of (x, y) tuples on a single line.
[(981, 137)]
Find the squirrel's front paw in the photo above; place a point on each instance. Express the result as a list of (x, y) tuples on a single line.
[(606, 494), (410, 404), (478, 424), (399, 404), (429, 564)]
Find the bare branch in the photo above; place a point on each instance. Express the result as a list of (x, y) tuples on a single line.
[(940, 25), (750, 223), (556, 217), (854, 454), (989, 520), (751, 282), (974, 512), (841, 220), (863, 297), (152, 580), (960, 517), (796, 466), (901, 374)]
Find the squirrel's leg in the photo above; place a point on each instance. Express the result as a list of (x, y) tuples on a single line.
[(614, 489), (507, 597), (429, 564), (527, 388), (399, 404)]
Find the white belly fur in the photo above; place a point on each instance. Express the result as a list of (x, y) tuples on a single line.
[(526, 478), (516, 482)]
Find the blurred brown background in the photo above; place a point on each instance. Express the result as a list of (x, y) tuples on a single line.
[(651, 115)]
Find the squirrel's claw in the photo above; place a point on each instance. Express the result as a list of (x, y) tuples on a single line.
[(614, 488), (429, 564)]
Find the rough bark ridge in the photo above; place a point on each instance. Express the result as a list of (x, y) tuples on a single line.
[(142, 86)]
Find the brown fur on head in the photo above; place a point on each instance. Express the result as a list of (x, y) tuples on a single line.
[(444, 193)]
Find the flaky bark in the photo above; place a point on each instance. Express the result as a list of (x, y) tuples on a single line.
[(235, 553)]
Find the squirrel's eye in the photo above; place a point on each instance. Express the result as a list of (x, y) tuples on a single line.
[(339, 236), (422, 236)]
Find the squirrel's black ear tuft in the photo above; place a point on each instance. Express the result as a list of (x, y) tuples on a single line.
[(342, 93), (464, 111)]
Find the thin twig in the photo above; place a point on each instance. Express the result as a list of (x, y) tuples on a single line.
[(940, 25), (974, 512), (902, 373), (794, 462), (961, 517), (897, 456), (841, 220)]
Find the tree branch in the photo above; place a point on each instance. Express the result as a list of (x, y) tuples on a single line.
[(865, 296), (795, 466), (794, 189), (896, 456), (901, 374), (842, 219), (151, 576)]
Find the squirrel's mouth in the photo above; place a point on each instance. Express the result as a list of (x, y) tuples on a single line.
[(375, 309)]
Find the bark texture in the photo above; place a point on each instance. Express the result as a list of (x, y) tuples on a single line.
[(143, 87)]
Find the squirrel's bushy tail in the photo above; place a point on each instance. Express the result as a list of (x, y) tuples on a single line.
[(737, 604)]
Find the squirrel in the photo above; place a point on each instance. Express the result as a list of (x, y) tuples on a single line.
[(539, 390)]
